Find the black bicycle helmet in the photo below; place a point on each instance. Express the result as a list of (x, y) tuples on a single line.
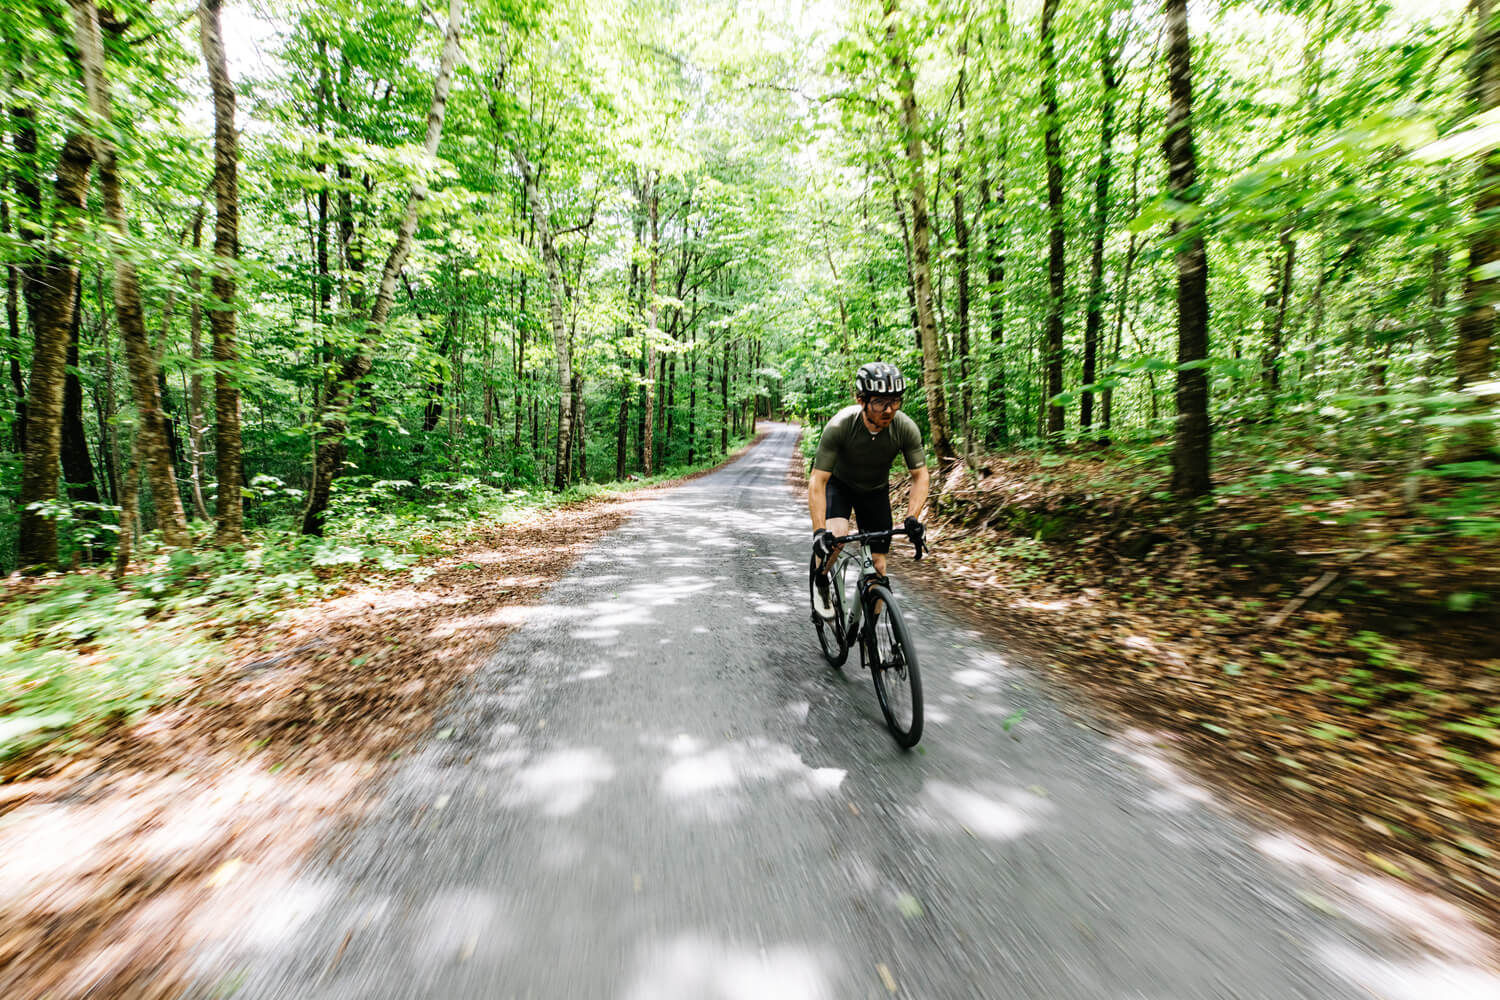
[(879, 378)]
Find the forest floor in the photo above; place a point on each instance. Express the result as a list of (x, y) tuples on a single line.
[(1327, 655), (123, 854)]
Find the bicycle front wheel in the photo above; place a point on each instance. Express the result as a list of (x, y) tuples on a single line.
[(893, 665), (830, 631)]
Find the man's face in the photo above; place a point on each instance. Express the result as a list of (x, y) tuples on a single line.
[(880, 410)]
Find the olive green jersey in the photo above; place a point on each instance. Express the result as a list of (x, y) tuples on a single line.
[(863, 460)]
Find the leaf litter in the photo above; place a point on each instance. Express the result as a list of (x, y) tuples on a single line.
[(122, 856)]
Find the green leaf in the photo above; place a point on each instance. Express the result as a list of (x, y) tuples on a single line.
[(1466, 600)]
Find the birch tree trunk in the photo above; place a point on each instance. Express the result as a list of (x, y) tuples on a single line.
[(221, 317), (921, 260), (155, 450), (332, 445), (1190, 451)]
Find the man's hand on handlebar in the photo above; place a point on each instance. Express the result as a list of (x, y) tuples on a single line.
[(823, 543), (917, 532)]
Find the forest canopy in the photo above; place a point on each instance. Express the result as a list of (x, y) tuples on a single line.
[(264, 260)]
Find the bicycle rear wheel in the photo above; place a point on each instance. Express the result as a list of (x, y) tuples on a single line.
[(893, 665), (830, 631)]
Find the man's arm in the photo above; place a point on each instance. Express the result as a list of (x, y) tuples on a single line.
[(920, 481), (817, 498)]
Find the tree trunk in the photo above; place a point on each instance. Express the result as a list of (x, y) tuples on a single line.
[(580, 441), (196, 429), (519, 382), (1056, 263), (51, 300), (961, 248), (692, 378), (156, 452), (911, 281), (911, 127), (221, 317), (557, 286), (1190, 451), (724, 397), (1132, 247), (1108, 57), (993, 212), (653, 209), (1473, 357), (108, 426), (13, 327), (1275, 306), (622, 429), (130, 512), (78, 470), (335, 423)]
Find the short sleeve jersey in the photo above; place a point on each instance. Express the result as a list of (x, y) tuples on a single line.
[(852, 454)]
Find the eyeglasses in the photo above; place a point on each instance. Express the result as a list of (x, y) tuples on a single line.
[(885, 403)]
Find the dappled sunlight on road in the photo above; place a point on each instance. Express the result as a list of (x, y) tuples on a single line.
[(1175, 791), (456, 922), (704, 968), (713, 779), (993, 812), (560, 782)]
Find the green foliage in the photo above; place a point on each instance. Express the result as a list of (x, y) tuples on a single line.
[(83, 653)]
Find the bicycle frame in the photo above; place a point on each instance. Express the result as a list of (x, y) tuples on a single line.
[(854, 610), (860, 553)]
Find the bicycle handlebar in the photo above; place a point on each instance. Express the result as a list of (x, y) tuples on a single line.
[(870, 536)]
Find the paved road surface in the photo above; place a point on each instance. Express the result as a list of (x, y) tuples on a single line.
[(657, 789)]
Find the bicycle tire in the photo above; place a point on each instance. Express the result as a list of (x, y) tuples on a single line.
[(831, 636), (893, 667)]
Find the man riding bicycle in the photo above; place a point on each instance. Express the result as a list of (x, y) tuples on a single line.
[(851, 472)]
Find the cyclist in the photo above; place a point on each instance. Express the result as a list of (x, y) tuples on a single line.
[(851, 472)]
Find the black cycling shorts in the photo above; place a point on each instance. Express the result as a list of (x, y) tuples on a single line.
[(872, 508)]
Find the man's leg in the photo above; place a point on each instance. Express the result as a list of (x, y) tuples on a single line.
[(874, 513)]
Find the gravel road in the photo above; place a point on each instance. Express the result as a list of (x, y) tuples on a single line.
[(658, 789)]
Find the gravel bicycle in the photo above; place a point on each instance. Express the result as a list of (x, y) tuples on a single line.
[(866, 613)]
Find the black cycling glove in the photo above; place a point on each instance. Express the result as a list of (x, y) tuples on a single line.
[(915, 530), (822, 543)]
